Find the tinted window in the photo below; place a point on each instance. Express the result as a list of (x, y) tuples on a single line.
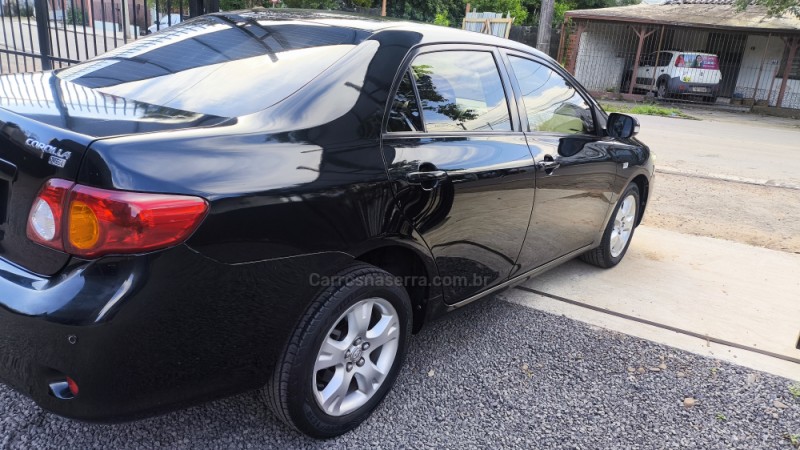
[(461, 91), (200, 65), (404, 115), (664, 59), (552, 105)]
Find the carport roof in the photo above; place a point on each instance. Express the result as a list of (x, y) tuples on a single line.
[(720, 14)]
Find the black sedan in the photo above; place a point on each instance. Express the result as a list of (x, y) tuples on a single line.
[(278, 200)]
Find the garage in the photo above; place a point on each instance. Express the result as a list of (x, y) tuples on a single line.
[(756, 55)]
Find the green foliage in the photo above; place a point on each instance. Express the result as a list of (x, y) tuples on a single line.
[(649, 110), (20, 8), (233, 5), (175, 6), (441, 19), (514, 7), (76, 16), (559, 9), (795, 390), (721, 417), (312, 4), (362, 3), (427, 10), (774, 7)]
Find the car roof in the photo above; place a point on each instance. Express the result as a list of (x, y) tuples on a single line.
[(688, 51), (431, 34)]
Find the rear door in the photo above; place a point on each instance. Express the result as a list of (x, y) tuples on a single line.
[(460, 165), (651, 68), (576, 173)]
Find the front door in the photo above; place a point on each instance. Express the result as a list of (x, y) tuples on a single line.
[(576, 173), (461, 167)]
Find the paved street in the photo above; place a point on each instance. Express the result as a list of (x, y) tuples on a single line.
[(580, 357), (763, 151)]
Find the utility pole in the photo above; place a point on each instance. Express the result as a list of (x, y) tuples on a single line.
[(383, 8), (545, 25)]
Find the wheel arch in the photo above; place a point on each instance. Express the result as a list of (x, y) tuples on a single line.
[(413, 267), (643, 184)]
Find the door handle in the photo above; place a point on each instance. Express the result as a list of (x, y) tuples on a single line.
[(422, 177), (548, 165)]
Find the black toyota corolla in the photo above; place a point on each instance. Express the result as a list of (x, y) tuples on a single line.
[(278, 200)]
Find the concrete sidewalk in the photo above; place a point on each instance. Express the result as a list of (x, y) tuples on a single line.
[(704, 287)]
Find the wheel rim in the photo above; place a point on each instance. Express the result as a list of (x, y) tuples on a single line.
[(662, 90), (623, 225), (356, 356)]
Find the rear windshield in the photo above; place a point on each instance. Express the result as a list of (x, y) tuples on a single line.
[(697, 61), (220, 65)]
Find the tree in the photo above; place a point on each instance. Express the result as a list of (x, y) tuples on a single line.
[(514, 7), (774, 7)]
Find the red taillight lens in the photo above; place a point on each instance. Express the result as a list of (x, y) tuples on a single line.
[(94, 222), (73, 386)]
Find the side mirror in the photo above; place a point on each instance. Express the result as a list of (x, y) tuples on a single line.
[(622, 126)]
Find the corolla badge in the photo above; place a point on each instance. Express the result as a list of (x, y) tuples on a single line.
[(58, 157)]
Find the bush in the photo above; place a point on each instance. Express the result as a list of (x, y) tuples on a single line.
[(76, 16)]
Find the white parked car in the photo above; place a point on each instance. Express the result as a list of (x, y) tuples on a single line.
[(679, 73), (166, 21)]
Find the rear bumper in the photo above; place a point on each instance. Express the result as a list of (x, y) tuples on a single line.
[(146, 334), (677, 86)]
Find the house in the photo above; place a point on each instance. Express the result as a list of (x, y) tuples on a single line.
[(759, 55)]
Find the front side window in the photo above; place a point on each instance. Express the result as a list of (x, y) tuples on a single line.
[(551, 103), (461, 91)]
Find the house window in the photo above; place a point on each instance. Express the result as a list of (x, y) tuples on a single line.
[(794, 71)]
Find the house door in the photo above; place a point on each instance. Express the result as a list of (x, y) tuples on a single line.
[(729, 48)]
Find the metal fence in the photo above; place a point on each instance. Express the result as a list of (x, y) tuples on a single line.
[(46, 34), (755, 67)]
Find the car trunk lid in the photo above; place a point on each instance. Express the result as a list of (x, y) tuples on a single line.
[(46, 126)]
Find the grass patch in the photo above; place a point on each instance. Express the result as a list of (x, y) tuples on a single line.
[(647, 110), (795, 390)]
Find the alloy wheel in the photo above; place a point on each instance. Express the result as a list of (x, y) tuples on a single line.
[(356, 356), (623, 225)]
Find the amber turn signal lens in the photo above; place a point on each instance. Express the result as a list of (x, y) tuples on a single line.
[(84, 231)]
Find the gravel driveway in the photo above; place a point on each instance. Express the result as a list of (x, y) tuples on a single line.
[(493, 374)]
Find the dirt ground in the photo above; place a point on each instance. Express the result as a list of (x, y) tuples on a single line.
[(764, 216)]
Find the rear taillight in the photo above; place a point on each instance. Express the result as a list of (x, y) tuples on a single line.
[(46, 218), (91, 222)]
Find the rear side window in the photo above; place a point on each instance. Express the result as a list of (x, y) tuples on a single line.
[(201, 64), (404, 115), (551, 103), (461, 91), (697, 61)]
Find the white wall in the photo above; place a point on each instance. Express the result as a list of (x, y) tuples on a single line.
[(600, 62), (770, 76)]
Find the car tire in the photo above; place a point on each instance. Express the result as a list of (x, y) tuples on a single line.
[(337, 365), (626, 83), (618, 232), (661, 90)]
